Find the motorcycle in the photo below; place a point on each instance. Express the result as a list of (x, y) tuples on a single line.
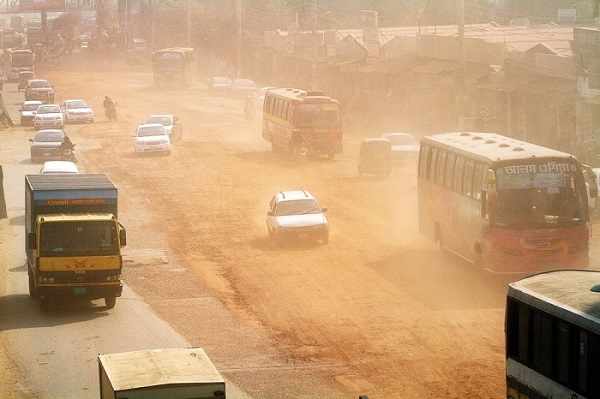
[(68, 154), (300, 150), (111, 112)]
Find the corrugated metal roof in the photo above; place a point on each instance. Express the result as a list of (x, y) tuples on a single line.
[(70, 182), (155, 367)]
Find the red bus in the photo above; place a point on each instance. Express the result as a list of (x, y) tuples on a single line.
[(503, 204), (294, 119)]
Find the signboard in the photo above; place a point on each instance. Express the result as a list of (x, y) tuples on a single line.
[(567, 16), (39, 5)]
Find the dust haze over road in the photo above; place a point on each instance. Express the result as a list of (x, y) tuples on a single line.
[(378, 311)]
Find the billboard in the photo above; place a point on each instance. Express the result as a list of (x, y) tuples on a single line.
[(40, 5)]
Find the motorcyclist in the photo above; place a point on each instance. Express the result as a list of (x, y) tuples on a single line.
[(67, 149), (67, 144)]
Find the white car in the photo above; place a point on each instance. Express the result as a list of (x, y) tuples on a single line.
[(51, 167), (27, 111), (296, 214), (152, 137), (405, 147), (77, 111), (48, 115), (171, 123)]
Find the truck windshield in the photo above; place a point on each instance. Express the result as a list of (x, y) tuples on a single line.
[(79, 238)]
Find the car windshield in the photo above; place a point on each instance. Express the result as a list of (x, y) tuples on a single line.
[(77, 104), (48, 109), (161, 120), (298, 207), (401, 139), (49, 136), (151, 131), (30, 107), (40, 84)]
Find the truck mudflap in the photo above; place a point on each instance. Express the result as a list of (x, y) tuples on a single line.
[(82, 292)]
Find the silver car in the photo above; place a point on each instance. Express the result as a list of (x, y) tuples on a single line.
[(27, 111), (152, 137), (48, 115), (77, 111), (296, 215)]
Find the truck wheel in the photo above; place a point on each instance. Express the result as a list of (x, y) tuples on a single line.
[(110, 301), (45, 304), (32, 290)]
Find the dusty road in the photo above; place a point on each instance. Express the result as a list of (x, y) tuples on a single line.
[(378, 311)]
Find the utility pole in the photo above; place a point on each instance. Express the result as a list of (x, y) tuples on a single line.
[(314, 49), (239, 38), (461, 92), (189, 24)]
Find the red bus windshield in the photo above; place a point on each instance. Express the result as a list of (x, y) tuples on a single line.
[(539, 195), (318, 116)]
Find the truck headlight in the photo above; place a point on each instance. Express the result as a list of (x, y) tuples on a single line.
[(45, 280), (113, 277)]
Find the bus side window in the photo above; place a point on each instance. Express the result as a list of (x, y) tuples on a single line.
[(441, 165), (286, 107), (278, 108), (458, 174), (468, 177), (450, 162), (478, 180), (433, 165)]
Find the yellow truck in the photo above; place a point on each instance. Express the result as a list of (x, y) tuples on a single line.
[(174, 373), (73, 238)]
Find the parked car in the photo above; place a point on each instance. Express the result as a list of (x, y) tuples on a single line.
[(39, 89), (51, 167), (255, 101), (46, 144), (171, 123), (296, 215), (219, 85), (138, 50), (77, 111), (405, 147), (242, 87), (27, 111), (48, 115), (152, 137)]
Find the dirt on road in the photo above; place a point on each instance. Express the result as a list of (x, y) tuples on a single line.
[(378, 311)]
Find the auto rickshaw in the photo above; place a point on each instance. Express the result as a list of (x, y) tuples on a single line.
[(375, 157), (24, 76)]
